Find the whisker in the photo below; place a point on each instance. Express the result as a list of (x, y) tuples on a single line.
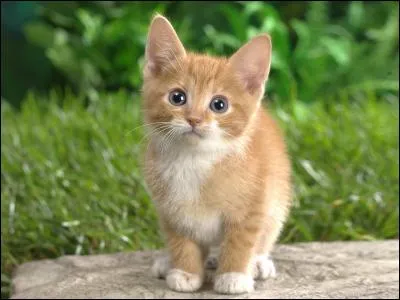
[(145, 125), (168, 139), (154, 131)]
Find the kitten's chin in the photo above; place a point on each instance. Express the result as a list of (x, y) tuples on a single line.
[(193, 137)]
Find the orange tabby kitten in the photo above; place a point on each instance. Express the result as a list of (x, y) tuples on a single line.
[(216, 162)]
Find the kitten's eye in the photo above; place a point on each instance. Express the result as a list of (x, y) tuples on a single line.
[(177, 97), (219, 105)]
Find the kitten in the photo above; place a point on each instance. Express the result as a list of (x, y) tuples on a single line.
[(216, 162)]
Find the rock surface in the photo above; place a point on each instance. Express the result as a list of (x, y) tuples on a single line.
[(306, 270)]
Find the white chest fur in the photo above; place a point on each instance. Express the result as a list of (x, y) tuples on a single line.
[(184, 170), (203, 226), (184, 174)]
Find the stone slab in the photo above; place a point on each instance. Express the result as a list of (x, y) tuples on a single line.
[(305, 270)]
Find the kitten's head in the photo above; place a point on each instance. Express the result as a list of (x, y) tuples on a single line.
[(199, 99)]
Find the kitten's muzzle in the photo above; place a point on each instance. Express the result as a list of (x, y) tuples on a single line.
[(193, 131), (194, 121)]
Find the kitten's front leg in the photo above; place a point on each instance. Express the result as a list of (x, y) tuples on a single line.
[(187, 271), (234, 273)]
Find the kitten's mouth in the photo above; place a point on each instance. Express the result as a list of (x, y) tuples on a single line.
[(193, 132)]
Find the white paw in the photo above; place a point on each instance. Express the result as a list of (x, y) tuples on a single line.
[(233, 283), (263, 268), (182, 281), (161, 266)]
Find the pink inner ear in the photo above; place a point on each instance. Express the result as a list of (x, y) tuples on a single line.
[(252, 62), (253, 77), (163, 45), (150, 67), (254, 83)]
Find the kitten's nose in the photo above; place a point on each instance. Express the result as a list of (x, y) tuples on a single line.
[(194, 121)]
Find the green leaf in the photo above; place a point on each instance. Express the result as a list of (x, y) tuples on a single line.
[(39, 34), (356, 14), (339, 49)]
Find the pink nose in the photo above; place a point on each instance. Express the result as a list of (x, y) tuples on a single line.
[(194, 121)]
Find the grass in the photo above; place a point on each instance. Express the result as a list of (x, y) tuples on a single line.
[(71, 180)]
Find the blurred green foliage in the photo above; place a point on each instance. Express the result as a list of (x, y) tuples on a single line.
[(318, 48)]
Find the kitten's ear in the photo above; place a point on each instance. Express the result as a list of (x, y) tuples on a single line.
[(252, 62), (163, 45)]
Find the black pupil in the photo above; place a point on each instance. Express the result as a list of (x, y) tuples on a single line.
[(219, 104), (178, 97)]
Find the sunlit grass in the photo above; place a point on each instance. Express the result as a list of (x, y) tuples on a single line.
[(71, 180)]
